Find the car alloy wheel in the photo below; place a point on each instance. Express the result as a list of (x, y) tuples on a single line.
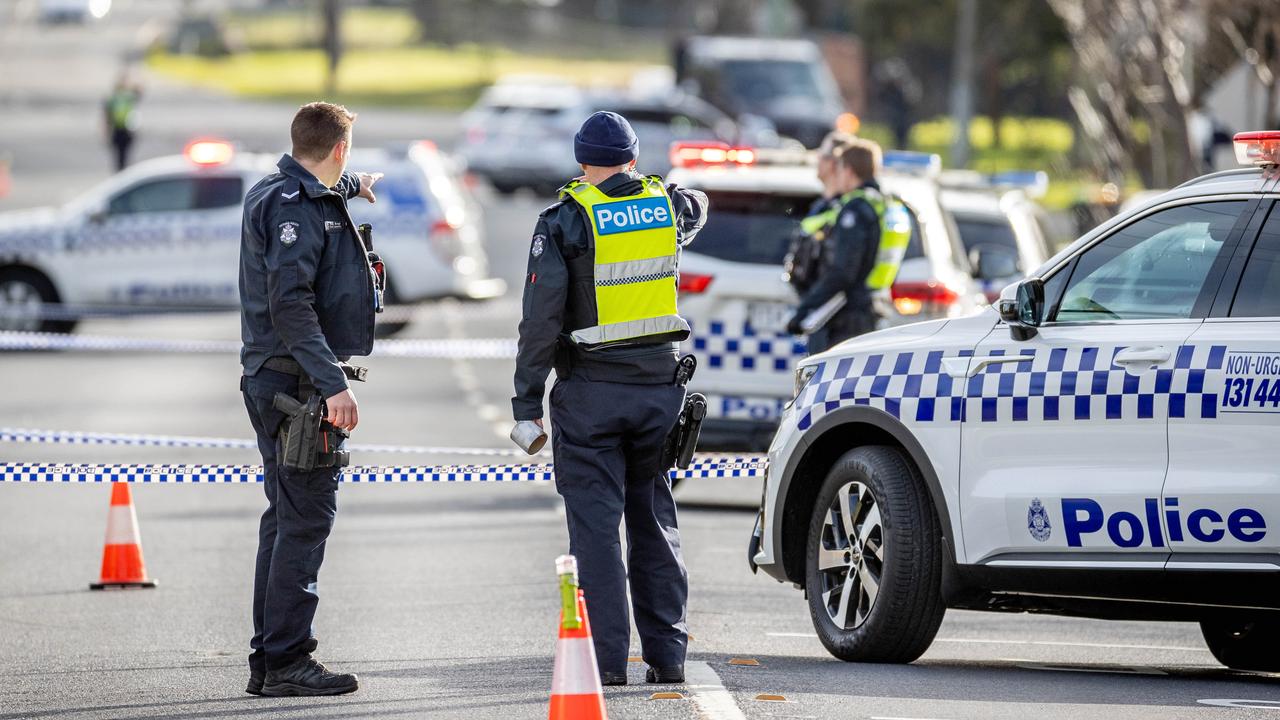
[(851, 556), (21, 306)]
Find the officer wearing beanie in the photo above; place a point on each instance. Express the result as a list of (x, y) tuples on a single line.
[(600, 307)]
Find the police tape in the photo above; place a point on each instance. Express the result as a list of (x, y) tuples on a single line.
[(203, 474), (390, 314), (72, 437), (452, 349)]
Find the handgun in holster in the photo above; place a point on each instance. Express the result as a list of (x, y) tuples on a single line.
[(307, 441), (681, 442), (376, 265)]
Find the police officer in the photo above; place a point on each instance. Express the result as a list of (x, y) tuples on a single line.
[(119, 116), (308, 295), (600, 306), (802, 254), (848, 263)]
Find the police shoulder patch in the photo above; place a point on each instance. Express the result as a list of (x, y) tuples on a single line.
[(539, 244), (288, 233), (848, 219)]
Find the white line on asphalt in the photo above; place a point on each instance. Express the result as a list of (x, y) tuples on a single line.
[(986, 641), (708, 693)]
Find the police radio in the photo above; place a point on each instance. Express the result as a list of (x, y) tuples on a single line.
[(376, 265)]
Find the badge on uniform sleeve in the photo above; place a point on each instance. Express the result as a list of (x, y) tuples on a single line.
[(848, 220), (288, 233), (539, 243)]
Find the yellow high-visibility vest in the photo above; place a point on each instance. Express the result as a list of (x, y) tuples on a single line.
[(636, 249), (895, 232)]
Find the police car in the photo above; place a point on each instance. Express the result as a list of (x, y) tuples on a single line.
[(1000, 223), (732, 287), (165, 234), (1101, 444)]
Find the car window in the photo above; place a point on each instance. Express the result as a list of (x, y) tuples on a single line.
[(757, 227), (178, 194), (1259, 293), (978, 230), (750, 227), (1150, 269)]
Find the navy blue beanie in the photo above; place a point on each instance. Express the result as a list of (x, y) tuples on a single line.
[(605, 140)]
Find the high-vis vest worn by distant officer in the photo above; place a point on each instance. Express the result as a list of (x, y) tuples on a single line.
[(895, 235), (635, 265)]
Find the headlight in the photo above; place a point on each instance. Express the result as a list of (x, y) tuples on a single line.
[(803, 375)]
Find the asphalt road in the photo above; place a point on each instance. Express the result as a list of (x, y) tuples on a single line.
[(443, 597)]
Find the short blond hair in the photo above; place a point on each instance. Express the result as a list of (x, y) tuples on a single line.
[(835, 141), (862, 157)]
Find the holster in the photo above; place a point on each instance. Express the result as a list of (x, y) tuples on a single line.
[(306, 441), (682, 441)]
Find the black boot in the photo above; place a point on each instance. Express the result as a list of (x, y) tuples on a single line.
[(665, 676), (256, 674), (308, 677), (613, 678)]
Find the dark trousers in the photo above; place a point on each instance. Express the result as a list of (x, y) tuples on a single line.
[(608, 438), (845, 325), (291, 536), (121, 143)]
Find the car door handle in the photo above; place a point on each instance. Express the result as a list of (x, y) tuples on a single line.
[(960, 367), (1141, 356)]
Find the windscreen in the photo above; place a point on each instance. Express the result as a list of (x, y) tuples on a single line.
[(768, 80), (750, 227), (975, 231)]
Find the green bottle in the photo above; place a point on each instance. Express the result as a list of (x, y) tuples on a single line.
[(567, 569)]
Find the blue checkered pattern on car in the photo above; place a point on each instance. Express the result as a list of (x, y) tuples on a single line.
[(742, 347), (1054, 384)]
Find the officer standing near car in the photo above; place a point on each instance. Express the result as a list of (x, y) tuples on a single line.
[(848, 265), (805, 245), (309, 293), (600, 307)]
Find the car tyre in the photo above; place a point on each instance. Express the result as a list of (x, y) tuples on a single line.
[(29, 289), (505, 187), (873, 568), (1244, 642)]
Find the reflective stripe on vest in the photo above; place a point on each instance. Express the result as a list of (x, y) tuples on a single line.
[(895, 235), (635, 264)]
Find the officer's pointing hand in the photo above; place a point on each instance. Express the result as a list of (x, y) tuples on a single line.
[(366, 186), (341, 411)]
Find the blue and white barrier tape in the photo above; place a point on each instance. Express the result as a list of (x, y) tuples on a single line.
[(461, 349), (85, 473), (67, 437)]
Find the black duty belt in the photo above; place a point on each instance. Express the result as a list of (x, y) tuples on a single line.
[(289, 366)]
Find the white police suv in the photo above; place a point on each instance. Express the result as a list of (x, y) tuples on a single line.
[(165, 234), (735, 297), (1099, 445)]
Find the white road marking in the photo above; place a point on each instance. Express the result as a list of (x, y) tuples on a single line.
[(1058, 643), (1099, 669), (708, 693), (466, 377), (1255, 704)]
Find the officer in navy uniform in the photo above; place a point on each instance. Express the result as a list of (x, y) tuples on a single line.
[(853, 242), (308, 294), (600, 306)]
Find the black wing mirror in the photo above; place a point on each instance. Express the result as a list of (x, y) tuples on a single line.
[(1024, 312)]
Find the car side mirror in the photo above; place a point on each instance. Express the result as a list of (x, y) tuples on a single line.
[(1024, 312), (991, 262), (97, 216)]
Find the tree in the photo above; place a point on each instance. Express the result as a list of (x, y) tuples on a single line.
[(1143, 67)]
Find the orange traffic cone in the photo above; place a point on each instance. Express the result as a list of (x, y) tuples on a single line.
[(575, 686), (122, 565)]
